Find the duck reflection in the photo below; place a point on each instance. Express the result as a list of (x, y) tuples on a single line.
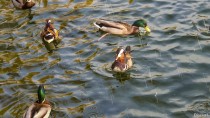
[(122, 77)]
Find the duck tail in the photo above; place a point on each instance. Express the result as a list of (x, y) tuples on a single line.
[(128, 49), (96, 25)]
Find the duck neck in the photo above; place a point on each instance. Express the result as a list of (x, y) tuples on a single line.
[(39, 101), (135, 29)]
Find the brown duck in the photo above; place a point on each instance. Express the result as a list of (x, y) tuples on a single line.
[(50, 36), (123, 60)]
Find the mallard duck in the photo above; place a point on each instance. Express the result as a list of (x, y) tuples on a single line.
[(50, 36), (123, 60), (23, 4), (41, 108), (121, 28)]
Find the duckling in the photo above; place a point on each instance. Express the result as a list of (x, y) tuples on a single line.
[(23, 4), (50, 36), (123, 60), (122, 28), (41, 108)]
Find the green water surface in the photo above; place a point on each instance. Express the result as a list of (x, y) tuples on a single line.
[(170, 77)]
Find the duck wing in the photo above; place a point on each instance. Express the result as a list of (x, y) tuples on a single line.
[(113, 27), (113, 24)]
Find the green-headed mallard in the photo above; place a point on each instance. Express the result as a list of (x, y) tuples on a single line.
[(121, 28), (50, 36), (23, 4), (123, 60), (41, 108)]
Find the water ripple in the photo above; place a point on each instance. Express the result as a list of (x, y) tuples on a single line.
[(170, 73)]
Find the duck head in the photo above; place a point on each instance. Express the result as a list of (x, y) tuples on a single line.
[(48, 21), (41, 94), (141, 23), (49, 25)]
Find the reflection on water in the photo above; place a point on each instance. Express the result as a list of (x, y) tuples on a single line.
[(122, 77), (169, 78)]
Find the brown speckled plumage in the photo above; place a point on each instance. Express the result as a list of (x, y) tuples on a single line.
[(123, 60), (23, 4)]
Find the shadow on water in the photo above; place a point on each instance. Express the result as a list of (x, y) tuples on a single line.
[(122, 77)]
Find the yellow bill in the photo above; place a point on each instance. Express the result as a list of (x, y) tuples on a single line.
[(147, 29)]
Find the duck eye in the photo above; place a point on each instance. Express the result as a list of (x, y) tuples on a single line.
[(145, 24)]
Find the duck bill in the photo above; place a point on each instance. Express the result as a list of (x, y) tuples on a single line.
[(147, 29)]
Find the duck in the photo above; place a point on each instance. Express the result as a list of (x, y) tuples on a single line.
[(23, 4), (123, 60), (121, 28), (41, 108), (50, 36)]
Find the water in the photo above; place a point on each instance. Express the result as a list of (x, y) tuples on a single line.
[(170, 76)]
